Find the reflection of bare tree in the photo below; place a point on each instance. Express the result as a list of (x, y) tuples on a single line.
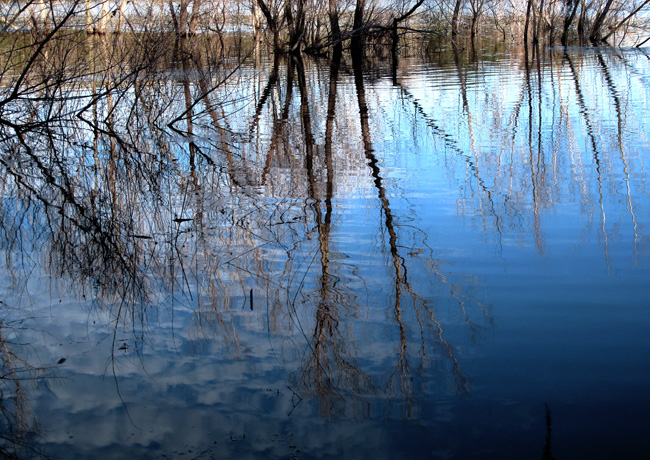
[(150, 184), (611, 89), (524, 171), (329, 372), (103, 178), (402, 288), (472, 163), (535, 167), (402, 371), (475, 160), (595, 151)]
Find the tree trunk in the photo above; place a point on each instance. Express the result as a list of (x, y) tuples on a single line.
[(539, 21), (257, 20), (89, 17), (182, 18), (100, 28), (582, 20), (272, 22), (296, 25), (399, 19), (120, 15), (454, 19), (333, 13), (527, 23), (567, 22), (357, 37), (194, 16), (594, 36)]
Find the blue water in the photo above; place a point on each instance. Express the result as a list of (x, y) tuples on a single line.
[(463, 274)]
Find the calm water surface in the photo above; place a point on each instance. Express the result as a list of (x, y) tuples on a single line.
[(328, 259)]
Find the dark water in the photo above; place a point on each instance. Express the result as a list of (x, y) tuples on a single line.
[(334, 259)]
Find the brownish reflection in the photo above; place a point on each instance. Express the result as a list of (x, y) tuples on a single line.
[(330, 372)]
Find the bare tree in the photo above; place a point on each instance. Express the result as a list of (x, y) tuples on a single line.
[(455, 18)]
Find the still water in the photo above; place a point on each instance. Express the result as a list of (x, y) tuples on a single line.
[(446, 258)]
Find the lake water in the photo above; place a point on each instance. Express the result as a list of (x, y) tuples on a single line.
[(317, 259)]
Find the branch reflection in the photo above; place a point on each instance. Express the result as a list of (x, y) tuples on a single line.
[(180, 178)]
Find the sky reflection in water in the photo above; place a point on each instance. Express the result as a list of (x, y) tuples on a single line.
[(344, 263)]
